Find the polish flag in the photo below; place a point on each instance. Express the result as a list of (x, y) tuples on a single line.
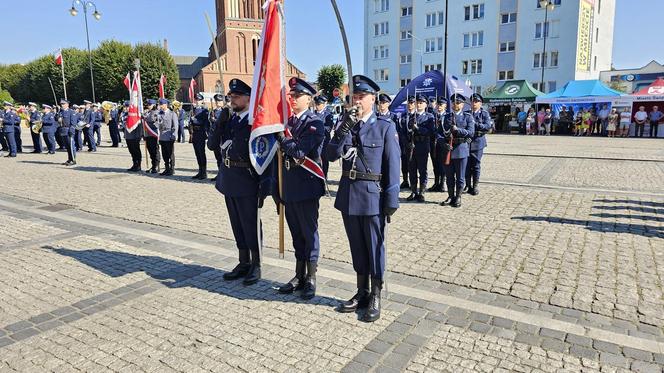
[(192, 90), (127, 83), (162, 84), (58, 57), (135, 106)]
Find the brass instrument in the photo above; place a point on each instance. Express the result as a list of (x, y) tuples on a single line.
[(36, 127), (1, 122), (106, 108), (177, 105)]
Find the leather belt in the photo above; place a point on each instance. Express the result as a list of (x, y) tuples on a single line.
[(421, 138), (356, 175), (238, 164)]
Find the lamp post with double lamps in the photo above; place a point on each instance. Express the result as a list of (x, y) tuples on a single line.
[(73, 11), (548, 5)]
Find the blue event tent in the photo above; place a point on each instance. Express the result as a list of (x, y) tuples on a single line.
[(430, 84), (581, 91)]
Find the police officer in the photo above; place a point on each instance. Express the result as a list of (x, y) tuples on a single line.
[(17, 134), (151, 134), (483, 124), (87, 117), (420, 129), (301, 189), (133, 139), (9, 120), (431, 108), (384, 102), (35, 116), (113, 129), (168, 127), (92, 115), (325, 115), (243, 189), (78, 115), (4, 147), (460, 127), (199, 124), (49, 128), (219, 104), (404, 142), (440, 150), (96, 129), (368, 192), (66, 131)]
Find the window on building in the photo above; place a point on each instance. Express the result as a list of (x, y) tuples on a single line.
[(407, 11), (440, 43), (406, 58), (381, 75), (404, 82), (431, 67), (555, 2), (382, 28), (473, 39), (406, 35), (432, 19), (381, 52), (506, 75), (539, 60), (471, 67), (538, 86), (551, 85), (509, 46), (506, 18), (541, 30), (477, 89), (554, 59), (475, 11), (381, 5)]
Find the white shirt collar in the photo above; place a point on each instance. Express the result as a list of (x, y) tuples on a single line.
[(420, 112), (298, 116), (365, 118), (242, 114)]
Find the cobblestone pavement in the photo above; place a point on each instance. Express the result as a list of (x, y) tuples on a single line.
[(558, 265)]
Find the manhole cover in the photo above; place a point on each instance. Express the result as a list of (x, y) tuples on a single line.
[(56, 207)]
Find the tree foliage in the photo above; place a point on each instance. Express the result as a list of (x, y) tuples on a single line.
[(331, 77), (5, 96), (112, 60), (155, 61)]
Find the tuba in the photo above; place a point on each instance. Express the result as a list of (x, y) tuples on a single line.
[(177, 105), (106, 108), (36, 127)]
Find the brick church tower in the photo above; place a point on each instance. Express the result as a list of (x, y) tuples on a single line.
[(239, 25)]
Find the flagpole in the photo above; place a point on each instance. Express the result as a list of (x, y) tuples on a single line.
[(62, 69), (216, 51), (280, 155), (137, 63)]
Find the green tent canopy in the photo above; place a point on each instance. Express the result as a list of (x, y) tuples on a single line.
[(513, 91)]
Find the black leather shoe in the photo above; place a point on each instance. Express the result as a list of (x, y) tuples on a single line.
[(404, 185), (203, 176), (448, 201), (214, 179), (457, 201), (197, 176), (434, 188), (419, 198), (476, 189), (253, 275), (360, 299), (153, 170), (411, 197), (239, 271), (169, 172), (297, 282), (309, 290), (373, 310)]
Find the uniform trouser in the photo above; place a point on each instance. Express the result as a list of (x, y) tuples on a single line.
[(302, 218), (418, 167), (404, 164), (3, 142), (134, 147), (243, 215), (68, 139), (152, 143), (366, 236), (17, 139), (218, 157), (78, 141), (325, 163), (474, 166), (167, 152), (439, 161), (199, 150), (89, 138), (11, 141), (115, 134), (49, 139), (181, 133), (36, 141), (653, 129), (456, 174), (97, 132)]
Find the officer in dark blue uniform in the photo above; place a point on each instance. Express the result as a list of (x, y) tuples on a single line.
[(460, 127), (431, 108), (440, 150), (35, 117), (301, 189), (49, 127), (151, 134), (66, 130), (243, 189), (113, 129), (92, 115), (384, 102), (78, 115), (87, 117), (368, 192), (199, 123), (483, 124), (217, 112), (420, 129), (405, 144), (9, 121), (324, 114), (133, 140), (179, 111), (96, 128)]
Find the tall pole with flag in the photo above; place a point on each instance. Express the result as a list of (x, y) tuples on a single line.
[(268, 108), (162, 84), (60, 61)]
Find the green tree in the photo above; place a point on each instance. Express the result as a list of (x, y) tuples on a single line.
[(112, 60), (5, 96), (11, 76), (331, 77), (155, 61)]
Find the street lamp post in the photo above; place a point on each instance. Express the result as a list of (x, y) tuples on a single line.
[(547, 5), (73, 11)]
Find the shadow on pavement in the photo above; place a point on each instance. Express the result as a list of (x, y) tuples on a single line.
[(601, 226), (636, 202), (185, 176), (650, 210)]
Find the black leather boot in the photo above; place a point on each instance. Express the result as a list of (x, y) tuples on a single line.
[(254, 273), (360, 299), (197, 176), (241, 269), (413, 195), (404, 185), (449, 200), (373, 310), (203, 174), (475, 186), (309, 290), (420, 195), (297, 282), (457, 200), (434, 187)]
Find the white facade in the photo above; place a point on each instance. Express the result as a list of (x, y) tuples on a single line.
[(404, 38)]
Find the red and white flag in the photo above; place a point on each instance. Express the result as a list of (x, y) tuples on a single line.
[(127, 83), (307, 163), (268, 108), (192, 90), (135, 105), (162, 84), (147, 130), (58, 57)]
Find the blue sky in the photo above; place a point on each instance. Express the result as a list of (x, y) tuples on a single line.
[(312, 34)]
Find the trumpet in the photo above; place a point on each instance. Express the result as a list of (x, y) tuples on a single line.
[(37, 127)]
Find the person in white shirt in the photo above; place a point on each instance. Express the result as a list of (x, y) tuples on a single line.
[(625, 121), (604, 119), (640, 118)]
